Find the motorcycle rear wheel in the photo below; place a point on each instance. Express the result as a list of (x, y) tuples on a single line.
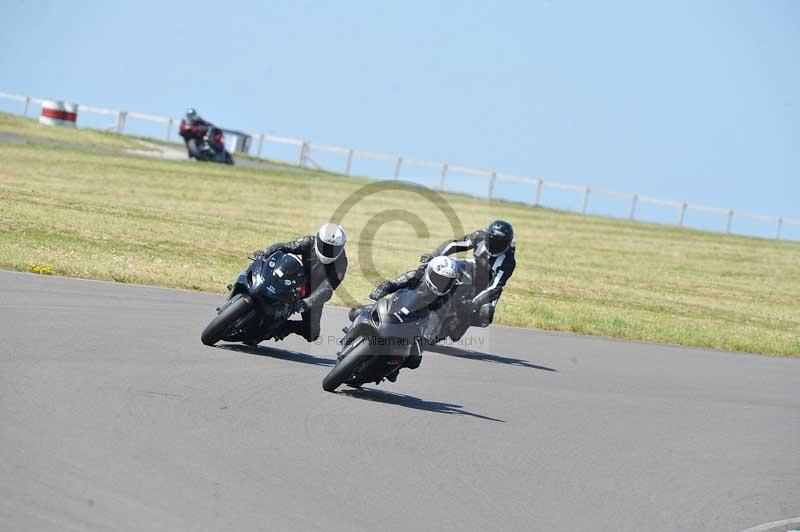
[(228, 316), (342, 371)]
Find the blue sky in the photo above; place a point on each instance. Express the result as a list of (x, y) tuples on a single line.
[(690, 101)]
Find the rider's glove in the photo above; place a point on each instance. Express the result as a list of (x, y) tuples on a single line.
[(379, 291), (426, 258), (301, 306), (258, 254)]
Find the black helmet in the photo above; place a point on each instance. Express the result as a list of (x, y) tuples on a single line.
[(499, 236)]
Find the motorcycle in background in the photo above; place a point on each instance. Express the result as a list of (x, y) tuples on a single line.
[(204, 143)]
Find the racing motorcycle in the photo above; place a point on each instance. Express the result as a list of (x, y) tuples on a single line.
[(205, 143), (260, 301), (379, 339)]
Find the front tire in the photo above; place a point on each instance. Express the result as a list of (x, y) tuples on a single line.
[(193, 149), (219, 326), (342, 371)]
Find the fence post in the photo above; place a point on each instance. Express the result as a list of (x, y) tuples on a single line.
[(121, 116), (491, 184), (683, 214), (585, 200), (348, 162), (632, 214), (169, 128), (303, 154), (27, 103), (442, 176), (778, 230), (260, 144), (397, 166), (538, 199), (730, 221)]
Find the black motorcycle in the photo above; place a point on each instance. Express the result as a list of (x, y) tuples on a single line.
[(379, 339), (260, 301), (205, 143)]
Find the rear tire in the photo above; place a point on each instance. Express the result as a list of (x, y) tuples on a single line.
[(345, 369), (215, 331)]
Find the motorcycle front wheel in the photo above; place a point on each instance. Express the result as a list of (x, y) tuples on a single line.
[(225, 320), (194, 150), (344, 370)]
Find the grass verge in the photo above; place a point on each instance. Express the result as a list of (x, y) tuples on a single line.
[(190, 225), (31, 129)]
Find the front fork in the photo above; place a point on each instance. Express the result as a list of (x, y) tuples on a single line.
[(351, 337)]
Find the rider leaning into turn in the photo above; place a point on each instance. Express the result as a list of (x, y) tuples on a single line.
[(435, 281), (325, 265), (194, 119), (494, 263)]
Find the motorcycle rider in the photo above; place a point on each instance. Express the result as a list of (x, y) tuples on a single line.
[(494, 251), (194, 119), (435, 282), (207, 129), (325, 264)]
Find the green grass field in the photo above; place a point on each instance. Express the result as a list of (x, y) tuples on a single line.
[(191, 225), (31, 129)]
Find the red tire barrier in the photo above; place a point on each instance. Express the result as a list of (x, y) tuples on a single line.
[(58, 113)]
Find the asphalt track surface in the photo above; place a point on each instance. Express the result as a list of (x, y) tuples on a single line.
[(113, 416)]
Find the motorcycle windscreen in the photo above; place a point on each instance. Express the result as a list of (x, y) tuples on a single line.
[(284, 277), (406, 305), (401, 313)]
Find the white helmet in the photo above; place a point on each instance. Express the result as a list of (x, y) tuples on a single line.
[(441, 275), (330, 243)]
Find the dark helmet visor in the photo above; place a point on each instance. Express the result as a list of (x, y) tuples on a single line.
[(328, 250), (497, 244), (443, 284)]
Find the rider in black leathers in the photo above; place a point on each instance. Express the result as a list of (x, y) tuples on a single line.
[(325, 264), (208, 129), (494, 251), (434, 281)]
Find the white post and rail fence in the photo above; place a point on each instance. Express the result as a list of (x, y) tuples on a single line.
[(306, 148)]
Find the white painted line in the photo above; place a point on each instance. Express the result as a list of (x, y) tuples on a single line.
[(769, 526)]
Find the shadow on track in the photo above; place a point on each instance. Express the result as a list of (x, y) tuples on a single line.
[(282, 354), (408, 401), (463, 353)]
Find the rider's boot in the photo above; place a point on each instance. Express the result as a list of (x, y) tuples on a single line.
[(283, 331)]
